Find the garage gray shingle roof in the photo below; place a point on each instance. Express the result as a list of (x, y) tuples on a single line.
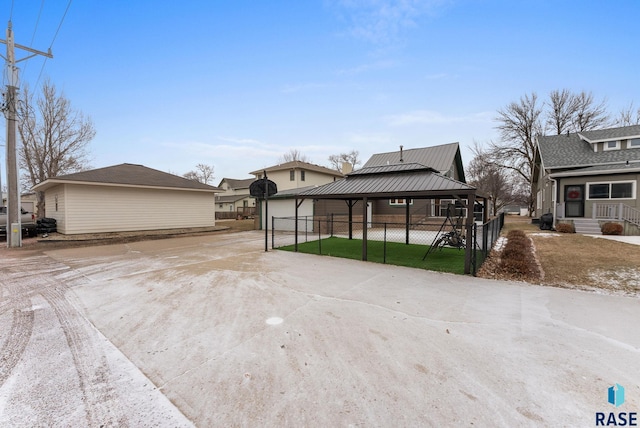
[(565, 151), (131, 175)]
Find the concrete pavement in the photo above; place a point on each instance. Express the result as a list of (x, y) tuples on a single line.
[(234, 336)]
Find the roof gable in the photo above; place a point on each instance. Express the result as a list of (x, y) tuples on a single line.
[(576, 150), (437, 157), (129, 175), (300, 165), (235, 184)]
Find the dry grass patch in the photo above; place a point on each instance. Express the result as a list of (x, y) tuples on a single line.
[(516, 222), (579, 261)]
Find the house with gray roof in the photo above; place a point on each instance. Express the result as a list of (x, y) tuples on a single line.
[(126, 197), (445, 159), (590, 177), (235, 200)]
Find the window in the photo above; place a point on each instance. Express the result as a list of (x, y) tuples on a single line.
[(613, 190), (399, 201), (302, 174), (612, 145), (292, 175), (635, 143), (457, 207)]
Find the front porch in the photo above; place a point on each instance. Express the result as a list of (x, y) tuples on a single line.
[(599, 214)]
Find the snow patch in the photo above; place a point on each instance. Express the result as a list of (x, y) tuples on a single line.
[(274, 321)]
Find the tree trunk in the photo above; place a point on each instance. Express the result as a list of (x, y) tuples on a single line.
[(40, 207)]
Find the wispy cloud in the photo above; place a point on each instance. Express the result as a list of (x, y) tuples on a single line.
[(298, 87), (437, 76), (363, 68), (383, 21), (431, 117)]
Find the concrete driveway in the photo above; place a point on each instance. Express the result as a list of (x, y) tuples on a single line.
[(213, 331)]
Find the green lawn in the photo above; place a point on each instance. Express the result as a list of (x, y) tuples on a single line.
[(444, 260)]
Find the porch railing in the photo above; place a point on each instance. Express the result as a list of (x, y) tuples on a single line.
[(617, 211)]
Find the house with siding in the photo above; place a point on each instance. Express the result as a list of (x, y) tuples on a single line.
[(590, 177), (291, 178), (127, 197), (444, 159), (297, 174), (235, 201)]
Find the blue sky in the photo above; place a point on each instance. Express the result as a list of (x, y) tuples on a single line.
[(236, 84)]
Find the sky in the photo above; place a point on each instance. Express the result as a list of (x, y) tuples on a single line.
[(237, 84)]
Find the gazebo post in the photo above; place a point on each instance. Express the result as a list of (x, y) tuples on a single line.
[(407, 219), (295, 245), (350, 203), (364, 228), (471, 200)]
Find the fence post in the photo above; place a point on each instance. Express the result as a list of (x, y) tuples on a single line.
[(319, 237), (384, 245), (273, 235), (473, 251), (332, 224), (485, 238)]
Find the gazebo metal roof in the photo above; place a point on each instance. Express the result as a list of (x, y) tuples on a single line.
[(400, 180)]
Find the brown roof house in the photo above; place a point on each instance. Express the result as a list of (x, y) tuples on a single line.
[(127, 197)]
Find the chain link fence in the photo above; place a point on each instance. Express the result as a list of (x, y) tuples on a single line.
[(314, 231)]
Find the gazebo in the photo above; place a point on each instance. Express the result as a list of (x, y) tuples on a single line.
[(404, 180)]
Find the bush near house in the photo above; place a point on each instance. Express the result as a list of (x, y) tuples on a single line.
[(565, 228), (612, 229)]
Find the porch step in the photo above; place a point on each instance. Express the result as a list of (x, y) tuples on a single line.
[(587, 226)]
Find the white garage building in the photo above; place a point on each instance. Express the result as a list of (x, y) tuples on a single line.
[(127, 197)]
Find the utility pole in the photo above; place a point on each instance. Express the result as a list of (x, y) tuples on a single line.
[(14, 239)]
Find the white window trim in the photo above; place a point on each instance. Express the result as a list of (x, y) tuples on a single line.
[(633, 146), (605, 145), (394, 202), (634, 185)]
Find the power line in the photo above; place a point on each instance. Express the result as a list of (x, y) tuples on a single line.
[(34, 34), (53, 41)]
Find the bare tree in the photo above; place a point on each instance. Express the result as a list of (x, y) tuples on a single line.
[(570, 112), (490, 179), (589, 115), (202, 174), (351, 158), (562, 105), (626, 116), (293, 155), (519, 124), (54, 138)]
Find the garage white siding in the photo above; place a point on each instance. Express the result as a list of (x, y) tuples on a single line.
[(54, 203), (95, 208), (287, 208)]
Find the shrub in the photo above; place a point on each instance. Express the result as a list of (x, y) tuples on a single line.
[(565, 228), (517, 268), (612, 229)]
